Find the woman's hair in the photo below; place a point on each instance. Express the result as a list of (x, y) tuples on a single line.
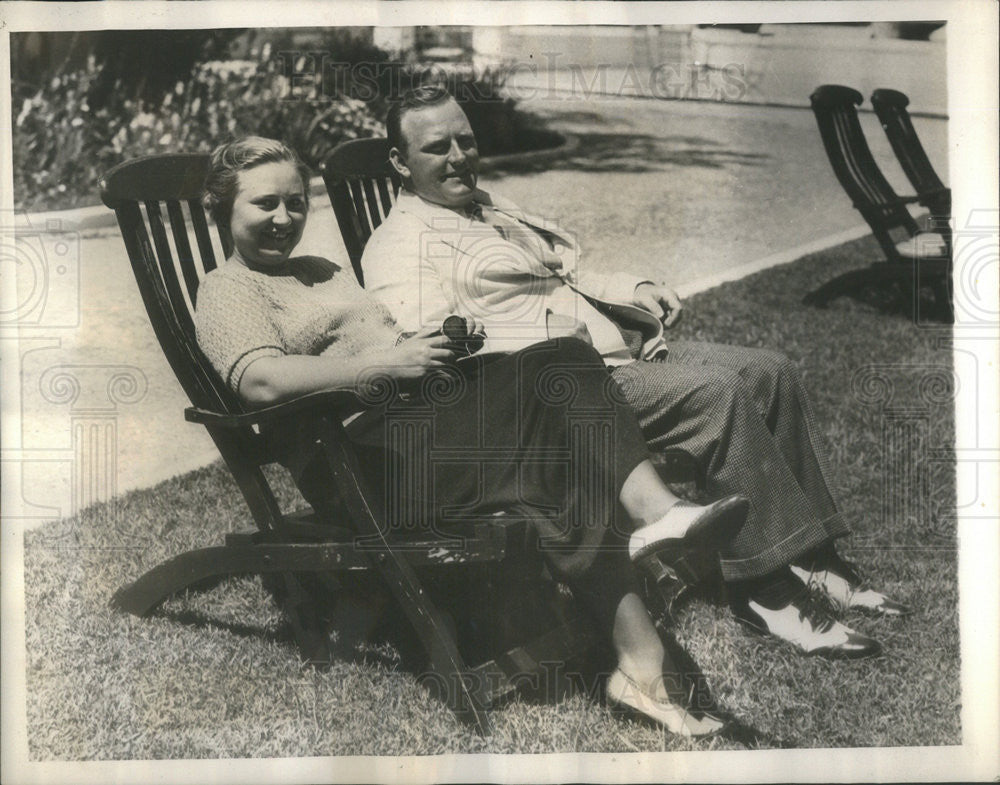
[(416, 98), (231, 158)]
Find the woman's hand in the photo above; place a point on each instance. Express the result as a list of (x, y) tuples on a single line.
[(413, 357), (269, 380)]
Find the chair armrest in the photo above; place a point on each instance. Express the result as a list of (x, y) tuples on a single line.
[(900, 201), (938, 197), (328, 400)]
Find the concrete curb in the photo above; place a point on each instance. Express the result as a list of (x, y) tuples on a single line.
[(84, 219), (95, 217), (773, 260), (565, 93)]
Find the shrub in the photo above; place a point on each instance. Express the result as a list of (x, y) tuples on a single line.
[(62, 146)]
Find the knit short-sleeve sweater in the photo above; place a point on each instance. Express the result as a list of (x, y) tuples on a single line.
[(307, 306)]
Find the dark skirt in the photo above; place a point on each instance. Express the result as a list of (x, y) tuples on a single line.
[(544, 432)]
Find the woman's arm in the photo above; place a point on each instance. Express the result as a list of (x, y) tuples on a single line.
[(269, 380)]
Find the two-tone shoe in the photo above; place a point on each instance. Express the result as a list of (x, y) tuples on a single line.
[(808, 624), (850, 593)]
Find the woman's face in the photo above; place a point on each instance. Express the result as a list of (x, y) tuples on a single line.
[(269, 214)]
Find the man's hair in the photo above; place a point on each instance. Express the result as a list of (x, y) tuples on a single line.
[(231, 158), (415, 98)]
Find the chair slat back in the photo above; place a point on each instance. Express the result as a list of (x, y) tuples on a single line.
[(890, 106), (149, 196), (835, 108), (363, 187), (168, 272)]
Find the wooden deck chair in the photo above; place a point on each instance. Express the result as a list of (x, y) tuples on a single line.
[(917, 258), (362, 186), (171, 247), (890, 106)]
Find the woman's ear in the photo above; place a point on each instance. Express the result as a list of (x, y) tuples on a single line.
[(399, 163)]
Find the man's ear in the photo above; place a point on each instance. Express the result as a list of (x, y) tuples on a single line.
[(398, 162)]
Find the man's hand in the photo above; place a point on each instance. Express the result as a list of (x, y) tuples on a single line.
[(661, 301)]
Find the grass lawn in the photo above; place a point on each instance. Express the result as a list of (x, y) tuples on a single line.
[(215, 675)]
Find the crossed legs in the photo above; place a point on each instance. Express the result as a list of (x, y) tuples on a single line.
[(745, 416)]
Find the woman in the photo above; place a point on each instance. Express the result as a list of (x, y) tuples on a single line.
[(277, 326)]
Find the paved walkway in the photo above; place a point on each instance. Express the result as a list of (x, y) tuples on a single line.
[(678, 191)]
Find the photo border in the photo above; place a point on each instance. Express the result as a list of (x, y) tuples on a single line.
[(972, 109)]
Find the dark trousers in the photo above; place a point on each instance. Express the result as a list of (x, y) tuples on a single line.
[(544, 431)]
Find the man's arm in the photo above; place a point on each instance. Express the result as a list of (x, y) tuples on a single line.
[(397, 273), (620, 287)]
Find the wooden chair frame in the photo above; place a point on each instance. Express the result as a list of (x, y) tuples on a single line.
[(835, 109), (362, 186), (890, 106), (157, 203)]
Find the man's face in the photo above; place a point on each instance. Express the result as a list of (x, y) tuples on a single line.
[(439, 160)]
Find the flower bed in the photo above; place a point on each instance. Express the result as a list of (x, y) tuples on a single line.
[(62, 145)]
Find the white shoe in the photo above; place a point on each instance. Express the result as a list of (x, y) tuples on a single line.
[(709, 526), (624, 691), (850, 596)]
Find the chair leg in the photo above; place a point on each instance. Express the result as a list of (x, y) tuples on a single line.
[(943, 300), (308, 625), (466, 695), (194, 567)]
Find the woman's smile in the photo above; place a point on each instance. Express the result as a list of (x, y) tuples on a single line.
[(269, 214)]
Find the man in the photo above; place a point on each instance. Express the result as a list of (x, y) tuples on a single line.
[(449, 247)]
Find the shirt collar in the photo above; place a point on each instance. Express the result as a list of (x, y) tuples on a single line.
[(428, 212)]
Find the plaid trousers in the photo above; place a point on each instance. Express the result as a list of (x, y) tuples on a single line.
[(746, 418)]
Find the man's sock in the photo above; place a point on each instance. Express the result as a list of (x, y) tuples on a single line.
[(826, 557), (774, 590)]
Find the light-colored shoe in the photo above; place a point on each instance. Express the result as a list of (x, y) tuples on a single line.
[(846, 595), (807, 624), (708, 526), (625, 692)]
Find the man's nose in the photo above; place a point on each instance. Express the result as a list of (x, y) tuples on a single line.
[(456, 153)]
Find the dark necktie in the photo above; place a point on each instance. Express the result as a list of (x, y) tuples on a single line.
[(536, 242)]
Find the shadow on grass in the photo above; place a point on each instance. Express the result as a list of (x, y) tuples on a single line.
[(635, 153), (89, 674), (201, 620), (891, 299)]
